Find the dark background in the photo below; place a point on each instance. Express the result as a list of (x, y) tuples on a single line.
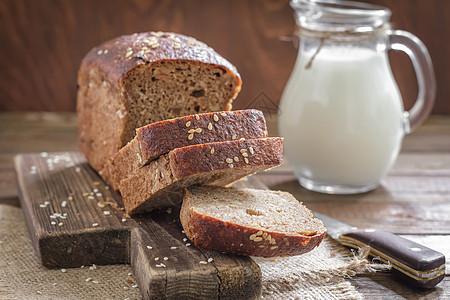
[(43, 41)]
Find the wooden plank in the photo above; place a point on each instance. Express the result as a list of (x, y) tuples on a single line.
[(63, 183), (379, 286), (219, 275), (54, 184)]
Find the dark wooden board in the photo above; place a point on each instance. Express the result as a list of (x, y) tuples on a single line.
[(89, 236)]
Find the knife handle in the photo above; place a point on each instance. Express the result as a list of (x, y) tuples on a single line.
[(420, 265)]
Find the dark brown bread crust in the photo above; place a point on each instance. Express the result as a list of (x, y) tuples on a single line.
[(159, 138), (213, 234), (161, 183), (114, 62), (103, 114)]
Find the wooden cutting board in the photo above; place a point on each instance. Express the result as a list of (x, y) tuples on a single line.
[(74, 219)]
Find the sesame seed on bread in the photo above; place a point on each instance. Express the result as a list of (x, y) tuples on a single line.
[(249, 222)]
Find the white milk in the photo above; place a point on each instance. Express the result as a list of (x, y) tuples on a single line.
[(342, 119)]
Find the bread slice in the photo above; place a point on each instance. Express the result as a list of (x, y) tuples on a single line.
[(153, 140), (249, 222), (138, 79), (161, 183)]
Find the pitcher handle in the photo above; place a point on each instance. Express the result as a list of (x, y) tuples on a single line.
[(410, 44)]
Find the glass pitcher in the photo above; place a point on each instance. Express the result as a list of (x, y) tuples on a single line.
[(341, 113)]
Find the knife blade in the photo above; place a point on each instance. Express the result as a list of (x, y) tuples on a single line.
[(417, 264)]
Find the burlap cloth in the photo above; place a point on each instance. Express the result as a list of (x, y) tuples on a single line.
[(320, 274)]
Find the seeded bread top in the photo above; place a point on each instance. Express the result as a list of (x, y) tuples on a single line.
[(116, 57)]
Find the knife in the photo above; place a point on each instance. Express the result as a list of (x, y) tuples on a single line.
[(417, 264)]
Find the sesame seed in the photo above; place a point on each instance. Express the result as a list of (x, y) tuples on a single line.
[(242, 139), (77, 170), (99, 52), (265, 235), (209, 126), (63, 270), (273, 247), (191, 136), (176, 46), (259, 232), (64, 204), (88, 279), (197, 117), (210, 259), (53, 223), (85, 194), (229, 160), (94, 281), (162, 265), (95, 190), (130, 274), (129, 53), (105, 52), (99, 194), (124, 220), (166, 258), (91, 197), (173, 248), (215, 117), (191, 130), (106, 212), (234, 136), (42, 205), (39, 292), (101, 204), (261, 246), (70, 198), (184, 239), (188, 244), (236, 159), (246, 160), (258, 239), (156, 258), (245, 154), (223, 114), (94, 224), (60, 224), (212, 150), (231, 166), (134, 286), (154, 46), (252, 237), (203, 262), (198, 130), (251, 150), (149, 247), (188, 123), (125, 288), (243, 150)]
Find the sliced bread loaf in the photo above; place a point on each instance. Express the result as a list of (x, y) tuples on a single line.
[(162, 181), (138, 79), (159, 138), (249, 222)]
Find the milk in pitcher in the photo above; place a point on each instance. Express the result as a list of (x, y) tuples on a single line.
[(342, 118)]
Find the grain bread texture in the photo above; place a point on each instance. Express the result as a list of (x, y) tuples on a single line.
[(155, 139), (249, 222), (138, 79), (162, 182)]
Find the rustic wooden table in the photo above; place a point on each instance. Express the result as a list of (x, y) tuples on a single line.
[(413, 199)]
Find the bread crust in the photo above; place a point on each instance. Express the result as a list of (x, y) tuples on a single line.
[(159, 138), (161, 182), (214, 234), (103, 113)]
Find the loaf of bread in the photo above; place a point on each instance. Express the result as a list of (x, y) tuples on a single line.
[(162, 181), (159, 138), (249, 222), (135, 80)]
